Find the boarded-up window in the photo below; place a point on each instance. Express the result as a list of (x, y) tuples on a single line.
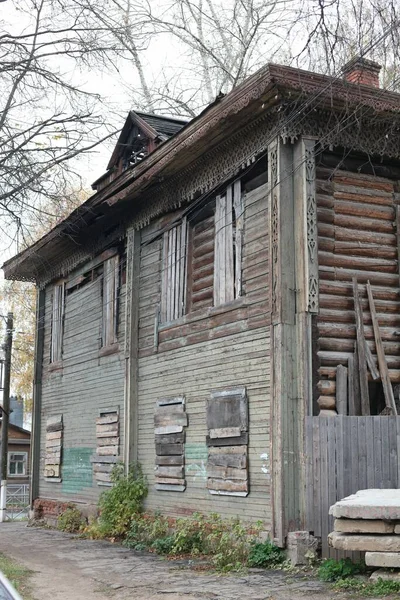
[(57, 322), (228, 245), (201, 260), (107, 453), (173, 293), (170, 418), (54, 442), (110, 300), (227, 424)]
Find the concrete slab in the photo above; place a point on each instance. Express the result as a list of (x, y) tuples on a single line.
[(364, 542), (385, 575), (369, 504), (390, 560), (363, 526)]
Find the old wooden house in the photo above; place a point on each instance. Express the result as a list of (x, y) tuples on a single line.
[(210, 299)]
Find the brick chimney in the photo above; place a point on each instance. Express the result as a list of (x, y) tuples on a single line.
[(360, 70)]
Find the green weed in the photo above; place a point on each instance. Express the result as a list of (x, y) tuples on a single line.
[(334, 570)]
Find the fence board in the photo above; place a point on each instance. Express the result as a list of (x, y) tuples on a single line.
[(344, 455)]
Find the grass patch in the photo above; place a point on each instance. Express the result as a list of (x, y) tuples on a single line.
[(335, 570), (381, 588), (18, 575)]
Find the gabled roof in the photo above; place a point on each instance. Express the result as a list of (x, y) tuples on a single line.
[(154, 127), (269, 89)]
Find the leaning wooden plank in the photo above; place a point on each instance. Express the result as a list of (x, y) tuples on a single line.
[(224, 432), (371, 363), (362, 360), (169, 449), (227, 485), (171, 481), (383, 368), (356, 381), (170, 460), (226, 473), (171, 472), (163, 487), (243, 440), (107, 419), (351, 374), (341, 390)]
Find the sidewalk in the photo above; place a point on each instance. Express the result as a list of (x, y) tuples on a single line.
[(68, 568)]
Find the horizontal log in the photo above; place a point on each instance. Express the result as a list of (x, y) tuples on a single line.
[(362, 196), (354, 222), (376, 278), (364, 181), (345, 234), (327, 388), (342, 330), (335, 302), (362, 210), (326, 315), (327, 402), (357, 262)]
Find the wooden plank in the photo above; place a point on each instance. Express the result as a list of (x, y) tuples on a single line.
[(56, 435), (227, 485), (229, 460), (107, 419), (107, 450), (169, 449), (218, 472), (165, 419), (230, 275), (52, 471), (310, 508), (53, 461), (174, 472), (171, 401), (371, 363), (385, 473), (383, 367), (107, 430), (362, 361), (323, 441), (53, 444), (370, 454), (243, 440), (170, 460), (170, 409), (55, 420), (356, 381), (168, 429), (171, 480), (351, 375), (377, 451), (96, 458), (393, 450), (102, 468), (239, 215), (225, 432), (162, 487), (332, 476), (341, 390), (171, 438), (55, 427), (108, 441)]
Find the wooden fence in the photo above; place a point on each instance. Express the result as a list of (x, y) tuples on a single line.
[(344, 455)]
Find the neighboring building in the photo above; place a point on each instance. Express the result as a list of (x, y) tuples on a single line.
[(19, 444), (194, 312)]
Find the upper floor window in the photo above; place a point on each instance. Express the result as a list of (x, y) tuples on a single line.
[(57, 322), (202, 257), (17, 464), (110, 300)]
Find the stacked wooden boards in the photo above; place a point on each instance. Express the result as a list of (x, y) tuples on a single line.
[(170, 418), (227, 440), (369, 521), (357, 238), (107, 452), (54, 439)]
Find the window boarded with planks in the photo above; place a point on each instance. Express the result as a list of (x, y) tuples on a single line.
[(201, 260), (357, 243), (227, 424), (107, 452), (170, 418), (54, 438), (110, 300)]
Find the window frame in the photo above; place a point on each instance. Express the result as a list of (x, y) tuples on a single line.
[(174, 280), (24, 462)]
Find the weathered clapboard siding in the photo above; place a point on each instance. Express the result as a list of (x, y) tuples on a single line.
[(357, 236), (209, 349), (86, 384)]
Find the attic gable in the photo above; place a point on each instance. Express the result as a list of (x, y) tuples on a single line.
[(140, 135)]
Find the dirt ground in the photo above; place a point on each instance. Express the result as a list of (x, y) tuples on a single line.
[(68, 568)]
